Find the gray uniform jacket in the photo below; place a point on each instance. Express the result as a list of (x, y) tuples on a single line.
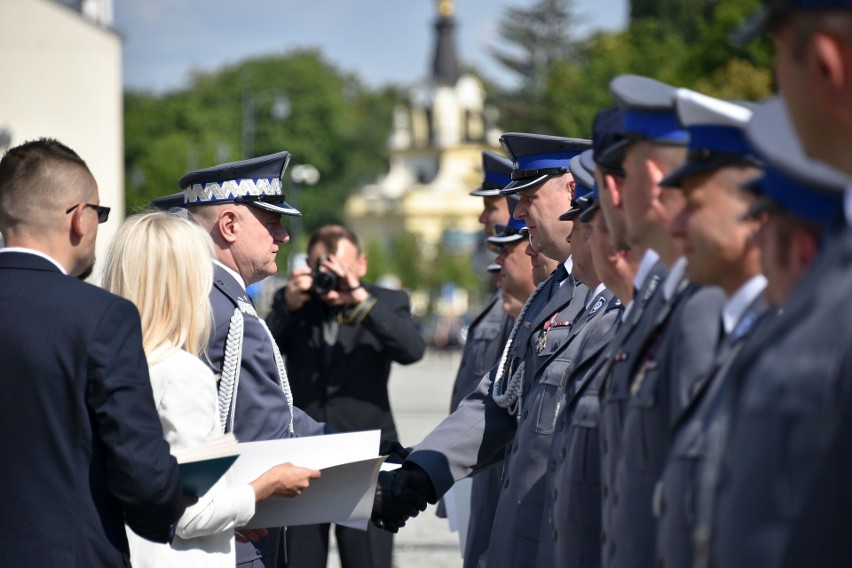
[(676, 496), (485, 340), (479, 430), (679, 352), (261, 411), (570, 530), (784, 494), (614, 390)]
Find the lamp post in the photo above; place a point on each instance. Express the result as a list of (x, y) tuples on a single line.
[(300, 174), (280, 110)]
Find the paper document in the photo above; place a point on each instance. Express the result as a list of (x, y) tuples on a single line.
[(349, 464), (457, 504)]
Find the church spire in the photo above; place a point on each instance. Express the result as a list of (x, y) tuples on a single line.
[(445, 65)]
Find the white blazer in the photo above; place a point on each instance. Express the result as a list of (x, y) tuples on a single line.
[(185, 395)]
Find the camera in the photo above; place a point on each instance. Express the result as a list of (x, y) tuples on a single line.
[(324, 282)]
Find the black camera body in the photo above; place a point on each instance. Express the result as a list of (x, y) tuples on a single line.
[(324, 282)]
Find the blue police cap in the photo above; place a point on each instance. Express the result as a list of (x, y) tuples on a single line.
[(582, 168), (535, 157), (716, 136), (791, 181), (511, 231), (649, 114), (165, 203), (496, 174), (605, 134), (773, 12), (256, 181)]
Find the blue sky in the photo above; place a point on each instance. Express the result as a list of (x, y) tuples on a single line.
[(382, 41)]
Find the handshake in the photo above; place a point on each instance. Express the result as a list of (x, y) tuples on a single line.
[(401, 494)]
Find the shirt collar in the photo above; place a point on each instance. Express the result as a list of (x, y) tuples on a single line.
[(569, 264), (735, 307), (233, 273), (597, 292), (37, 253), (674, 278), (649, 259)]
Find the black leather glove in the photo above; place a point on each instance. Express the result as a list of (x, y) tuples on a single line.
[(413, 485), (389, 512), (394, 450)]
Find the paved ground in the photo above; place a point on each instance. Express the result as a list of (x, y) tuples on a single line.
[(420, 398)]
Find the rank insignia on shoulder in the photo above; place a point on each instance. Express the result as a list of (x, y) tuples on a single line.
[(619, 357), (598, 304), (246, 306), (743, 327), (652, 286)]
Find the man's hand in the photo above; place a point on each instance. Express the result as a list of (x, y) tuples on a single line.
[(349, 292), (394, 450), (298, 290), (283, 480), (400, 495)]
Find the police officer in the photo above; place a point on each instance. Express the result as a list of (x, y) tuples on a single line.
[(526, 407), (650, 388), (781, 496), (485, 339), (571, 524), (721, 250), (241, 204), (516, 279)]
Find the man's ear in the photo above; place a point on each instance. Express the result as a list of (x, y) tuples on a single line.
[(613, 187), (832, 60), (228, 224), (78, 228)]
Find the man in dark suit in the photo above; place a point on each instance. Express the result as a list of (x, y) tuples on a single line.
[(83, 449), (340, 336)]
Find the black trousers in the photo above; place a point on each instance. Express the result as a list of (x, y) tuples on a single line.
[(307, 547)]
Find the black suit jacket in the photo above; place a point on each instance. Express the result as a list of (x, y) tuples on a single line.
[(346, 386), (80, 439)]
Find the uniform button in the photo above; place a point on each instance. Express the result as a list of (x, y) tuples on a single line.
[(555, 494), (554, 534)]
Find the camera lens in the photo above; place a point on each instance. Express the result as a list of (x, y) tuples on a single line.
[(324, 282)]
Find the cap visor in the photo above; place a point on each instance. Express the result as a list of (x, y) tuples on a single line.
[(494, 267), (503, 238), (755, 24), (571, 214), (482, 192), (281, 207), (173, 201), (615, 153), (521, 184)]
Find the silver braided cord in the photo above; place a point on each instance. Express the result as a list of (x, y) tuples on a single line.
[(510, 397), (282, 373), (230, 377)]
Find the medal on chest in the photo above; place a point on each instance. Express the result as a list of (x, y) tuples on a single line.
[(541, 343)]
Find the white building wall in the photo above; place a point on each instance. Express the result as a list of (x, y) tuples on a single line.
[(62, 79)]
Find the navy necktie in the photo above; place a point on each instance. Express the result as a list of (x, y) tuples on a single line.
[(560, 274)]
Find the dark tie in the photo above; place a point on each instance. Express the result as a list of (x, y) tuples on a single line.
[(560, 274)]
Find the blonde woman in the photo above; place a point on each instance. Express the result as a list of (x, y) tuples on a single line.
[(162, 263)]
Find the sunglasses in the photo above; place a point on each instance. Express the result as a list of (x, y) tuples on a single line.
[(103, 212)]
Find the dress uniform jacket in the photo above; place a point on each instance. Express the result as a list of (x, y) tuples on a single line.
[(614, 392), (676, 502), (678, 352), (485, 340), (479, 430), (570, 530), (784, 494), (261, 411), (345, 385), (83, 450)]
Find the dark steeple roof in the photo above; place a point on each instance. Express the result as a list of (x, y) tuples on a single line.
[(445, 65)]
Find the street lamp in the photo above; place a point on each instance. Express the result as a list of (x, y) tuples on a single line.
[(300, 174), (280, 110)]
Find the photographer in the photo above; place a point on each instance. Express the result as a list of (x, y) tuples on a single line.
[(339, 337)]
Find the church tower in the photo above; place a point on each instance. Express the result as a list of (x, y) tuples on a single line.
[(435, 155)]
